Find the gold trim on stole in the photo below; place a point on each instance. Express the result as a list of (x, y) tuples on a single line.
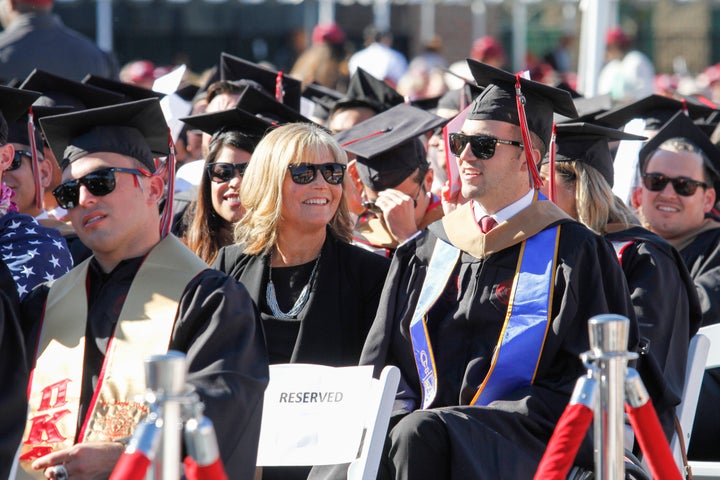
[(144, 328)]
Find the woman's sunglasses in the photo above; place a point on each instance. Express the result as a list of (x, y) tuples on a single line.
[(99, 183), (302, 174), (482, 146), (17, 159), (684, 186), (224, 172)]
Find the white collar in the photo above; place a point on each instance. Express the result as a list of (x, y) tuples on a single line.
[(505, 213)]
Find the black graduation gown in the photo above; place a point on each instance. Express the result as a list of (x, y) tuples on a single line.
[(217, 328), (342, 303), (507, 438), (702, 257), (668, 314), (13, 373)]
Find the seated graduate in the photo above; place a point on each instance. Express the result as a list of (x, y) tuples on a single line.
[(138, 295), (393, 175), (210, 219), (32, 252), (583, 189), (471, 404)]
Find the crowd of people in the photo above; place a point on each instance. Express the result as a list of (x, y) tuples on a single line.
[(465, 235)]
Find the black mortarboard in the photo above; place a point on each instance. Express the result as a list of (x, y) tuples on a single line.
[(129, 91), (587, 108), (188, 91), (14, 103), (235, 120), (266, 107), (18, 130), (588, 143), (655, 109), (459, 98), (64, 91), (364, 90), (681, 126), (323, 97), (429, 103), (498, 100), (234, 68), (136, 129), (387, 146)]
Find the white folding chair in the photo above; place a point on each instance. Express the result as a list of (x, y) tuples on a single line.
[(319, 415), (709, 470)]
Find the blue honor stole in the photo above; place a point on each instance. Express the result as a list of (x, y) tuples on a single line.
[(518, 351)]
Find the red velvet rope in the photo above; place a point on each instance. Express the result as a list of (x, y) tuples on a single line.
[(215, 471), (652, 441), (35, 160), (131, 466), (564, 443), (553, 187), (167, 215), (535, 180), (279, 91)]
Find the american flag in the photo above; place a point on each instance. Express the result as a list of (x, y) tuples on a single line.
[(34, 254)]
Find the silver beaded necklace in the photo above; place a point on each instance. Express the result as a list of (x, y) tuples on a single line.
[(272, 302)]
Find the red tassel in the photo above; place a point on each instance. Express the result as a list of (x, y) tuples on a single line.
[(215, 471), (535, 180), (279, 90), (564, 443), (684, 107), (35, 159), (652, 441), (365, 137), (553, 186), (131, 466), (167, 215)]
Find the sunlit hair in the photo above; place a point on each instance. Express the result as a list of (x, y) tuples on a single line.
[(261, 191), (204, 224), (595, 202), (680, 145)]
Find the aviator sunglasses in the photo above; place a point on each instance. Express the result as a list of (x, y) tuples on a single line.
[(224, 172), (482, 146), (305, 173), (17, 159), (99, 183), (656, 182)]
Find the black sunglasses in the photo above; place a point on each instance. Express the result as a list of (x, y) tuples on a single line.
[(224, 172), (99, 183), (17, 159), (684, 186), (302, 174), (482, 146)]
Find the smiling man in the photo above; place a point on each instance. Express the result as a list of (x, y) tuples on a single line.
[(139, 294), (679, 169)]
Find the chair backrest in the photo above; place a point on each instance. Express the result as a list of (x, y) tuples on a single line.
[(320, 415), (694, 372)]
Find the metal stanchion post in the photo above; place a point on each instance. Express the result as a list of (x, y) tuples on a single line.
[(608, 344)]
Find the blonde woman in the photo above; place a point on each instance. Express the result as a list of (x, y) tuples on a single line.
[(317, 293), (653, 268)]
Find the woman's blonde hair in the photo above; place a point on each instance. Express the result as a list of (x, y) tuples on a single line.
[(261, 190), (595, 202)]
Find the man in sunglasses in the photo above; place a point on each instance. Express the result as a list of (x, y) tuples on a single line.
[(461, 297), (680, 170), (394, 176), (139, 294)]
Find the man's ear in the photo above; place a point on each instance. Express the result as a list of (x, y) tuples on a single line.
[(156, 189), (6, 156), (428, 181), (354, 175), (635, 197), (709, 199), (46, 173)]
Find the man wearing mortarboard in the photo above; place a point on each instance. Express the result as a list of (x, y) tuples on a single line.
[(393, 174), (680, 171), (141, 293), (471, 404)]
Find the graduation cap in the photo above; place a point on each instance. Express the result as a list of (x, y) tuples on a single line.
[(136, 129), (459, 98), (129, 91), (587, 108), (64, 91), (588, 143), (498, 100), (655, 109), (266, 107), (364, 90), (234, 68), (387, 146), (681, 126), (233, 120), (14, 104), (187, 92), (323, 97), (429, 103)]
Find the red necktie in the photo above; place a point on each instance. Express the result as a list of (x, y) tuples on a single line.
[(487, 223)]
